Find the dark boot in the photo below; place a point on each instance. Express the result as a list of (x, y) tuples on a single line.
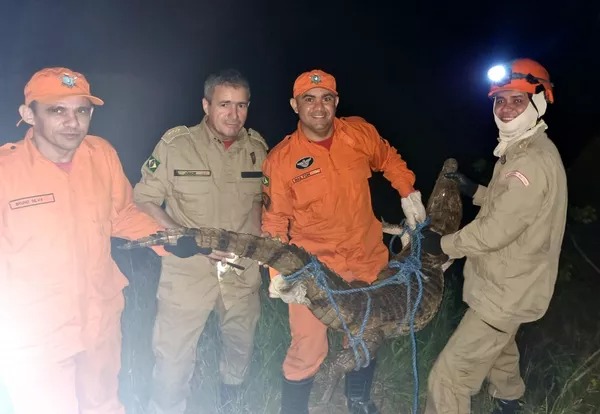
[(294, 396), (228, 397), (358, 390), (506, 406)]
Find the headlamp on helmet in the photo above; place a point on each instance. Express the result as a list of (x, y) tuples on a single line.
[(497, 73), (524, 75)]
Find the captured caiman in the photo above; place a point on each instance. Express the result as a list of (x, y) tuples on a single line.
[(390, 313)]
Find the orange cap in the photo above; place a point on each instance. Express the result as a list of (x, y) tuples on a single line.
[(50, 84), (314, 79)]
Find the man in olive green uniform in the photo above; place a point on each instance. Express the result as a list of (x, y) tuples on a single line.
[(512, 247), (208, 175)]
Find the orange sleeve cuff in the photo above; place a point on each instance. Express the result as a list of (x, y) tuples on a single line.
[(405, 191)]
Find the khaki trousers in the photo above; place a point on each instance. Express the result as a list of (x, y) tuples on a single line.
[(475, 351), (189, 290)]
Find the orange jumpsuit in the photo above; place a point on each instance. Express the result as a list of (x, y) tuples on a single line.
[(60, 291), (320, 200)]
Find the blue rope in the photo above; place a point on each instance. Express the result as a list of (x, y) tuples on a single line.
[(410, 266), (415, 247)]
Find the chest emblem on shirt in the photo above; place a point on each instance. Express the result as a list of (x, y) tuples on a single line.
[(31, 201), (305, 162), (306, 175)]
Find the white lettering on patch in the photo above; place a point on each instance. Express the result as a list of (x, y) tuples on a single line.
[(518, 175)]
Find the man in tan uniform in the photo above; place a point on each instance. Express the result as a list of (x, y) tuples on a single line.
[(512, 248), (208, 175)]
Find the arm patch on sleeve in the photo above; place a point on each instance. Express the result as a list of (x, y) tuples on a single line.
[(152, 163), (519, 176)]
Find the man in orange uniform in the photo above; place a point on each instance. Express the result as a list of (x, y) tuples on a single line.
[(317, 196), (63, 194)]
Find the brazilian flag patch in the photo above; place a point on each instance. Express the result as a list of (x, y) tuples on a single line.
[(265, 181), (152, 163)]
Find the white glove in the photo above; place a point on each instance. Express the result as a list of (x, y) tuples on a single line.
[(413, 208), (288, 292)]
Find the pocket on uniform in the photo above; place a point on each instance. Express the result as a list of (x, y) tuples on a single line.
[(308, 190), (192, 194), (250, 189), (312, 201)]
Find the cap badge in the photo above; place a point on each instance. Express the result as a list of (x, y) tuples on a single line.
[(315, 78), (68, 80)]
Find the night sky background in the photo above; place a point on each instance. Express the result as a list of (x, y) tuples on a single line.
[(416, 70)]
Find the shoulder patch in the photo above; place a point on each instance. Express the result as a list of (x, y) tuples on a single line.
[(520, 176), (252, 134), (173, 133), (152, 163)]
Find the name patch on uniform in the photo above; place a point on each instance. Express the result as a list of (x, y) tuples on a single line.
[(31, 201), (518, 175), (191, 173), (306, 175), (252, 174), (305, 162)]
